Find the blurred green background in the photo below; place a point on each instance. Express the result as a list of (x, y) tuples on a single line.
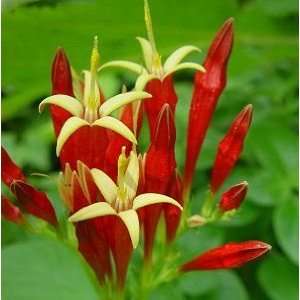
[(263, 71)]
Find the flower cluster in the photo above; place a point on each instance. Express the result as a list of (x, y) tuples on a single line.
[(113, 193)]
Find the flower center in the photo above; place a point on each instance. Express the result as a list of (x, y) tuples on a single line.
[(122, 201)]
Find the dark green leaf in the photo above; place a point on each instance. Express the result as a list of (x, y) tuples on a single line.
[(279, 278), (285, 224), (44, 269)]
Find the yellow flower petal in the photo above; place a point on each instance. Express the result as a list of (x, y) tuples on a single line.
[(187, 65), (131, 179), (116, 126), (147, 52), (177, 56), (131, 66), (99, 209), (77, 85), (70, 104), (70, 126), (131, 220), (105, 185), (120, 100), (153, 198)]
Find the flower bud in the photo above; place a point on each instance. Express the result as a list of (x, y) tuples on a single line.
[(233, 197), (9, 170), (208, 87), (230, 148), (228, 256), (61, 84)]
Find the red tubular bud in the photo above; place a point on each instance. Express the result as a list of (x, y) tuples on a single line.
[(61, 74), (160, 168), (233, 197), (230, 148), (172, 213), (162, 92), (61, 84), (9, 170), (208, 87), (11, 212), (34, 202), (228, 256), (160, 159)]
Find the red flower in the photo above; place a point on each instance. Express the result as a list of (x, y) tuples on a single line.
[(157, 77), (233, 197), (111, 191), (114, 219), (83, 136), (228, 256), (208, 87), (230, 148), (29, 199)]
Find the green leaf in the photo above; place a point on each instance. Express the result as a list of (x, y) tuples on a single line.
[(12, 233), (279, 8), (197, 283), (229, 286), (279, 278), (285, 222), (166, 291), (44, 269)]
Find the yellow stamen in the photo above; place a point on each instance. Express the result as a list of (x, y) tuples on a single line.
[(122, 167), (156, 59), (95, 57), (93, 101), (149, 27)]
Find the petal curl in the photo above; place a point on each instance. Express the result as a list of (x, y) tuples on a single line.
[(177, 56), (99, 209), (153, 198), (131, 66), (186, 65), (66, 102), (120, 100), (116, 126)]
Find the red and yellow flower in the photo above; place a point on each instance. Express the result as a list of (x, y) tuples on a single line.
[(114, 193)]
